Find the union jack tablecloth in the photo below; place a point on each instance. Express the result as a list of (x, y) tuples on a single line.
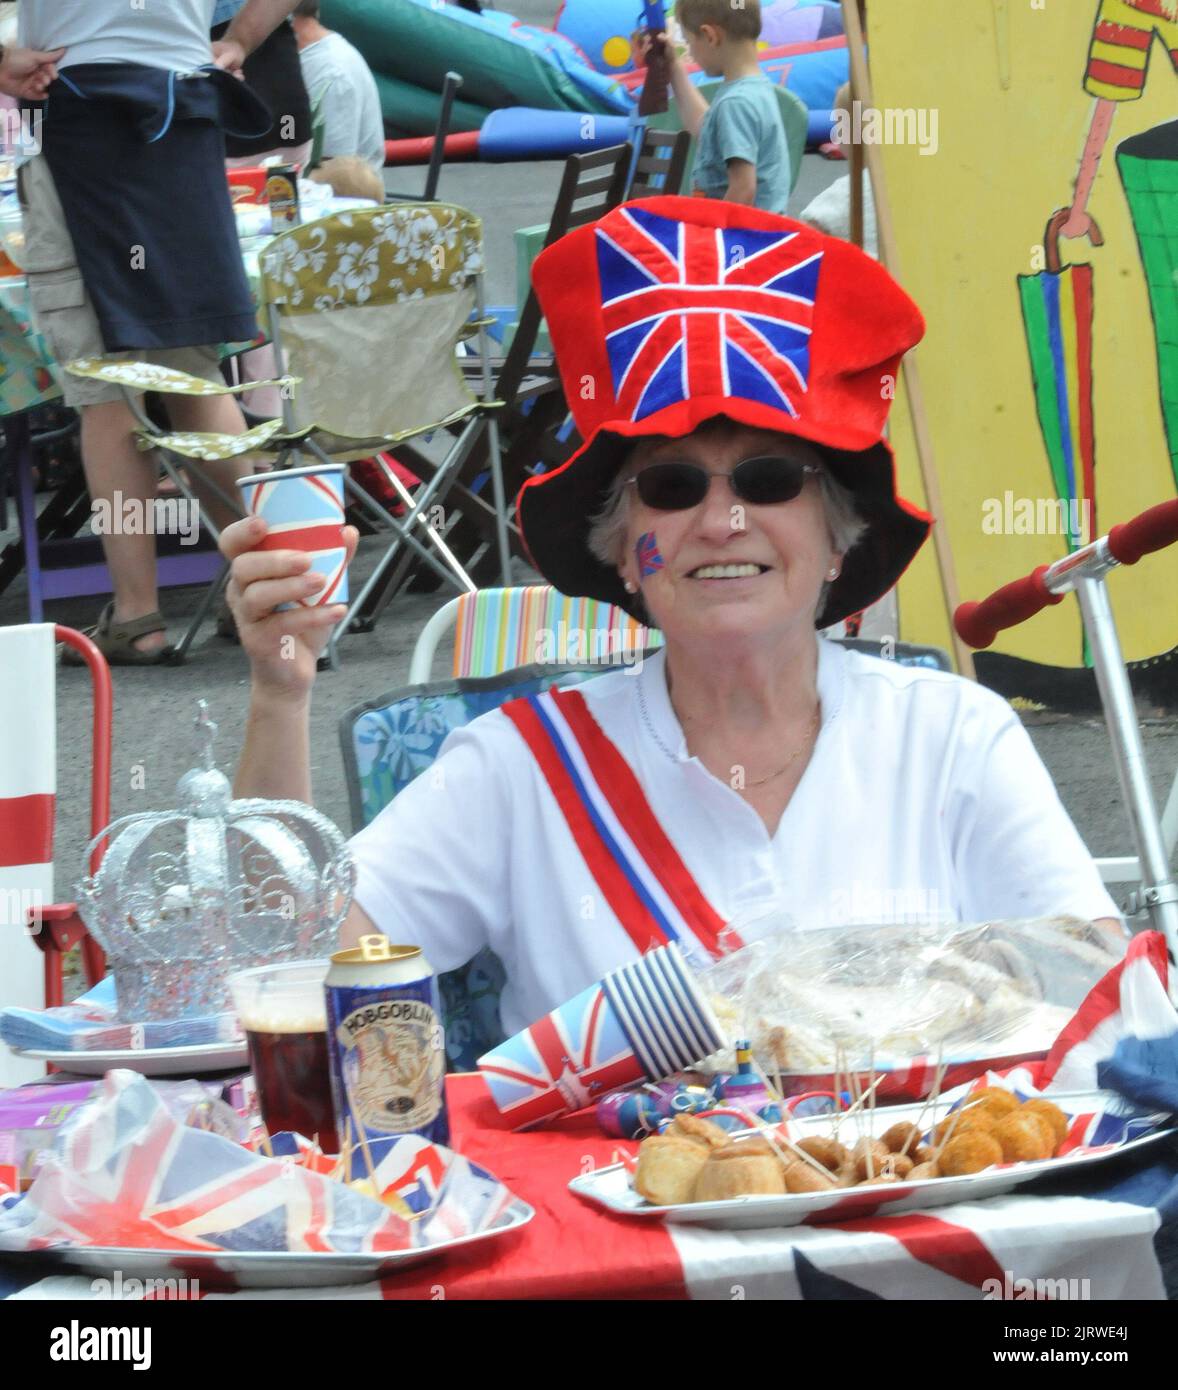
[(1118, 1229)]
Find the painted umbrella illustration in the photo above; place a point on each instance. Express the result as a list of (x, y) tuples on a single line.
[(1057, 317), (1148, 164)]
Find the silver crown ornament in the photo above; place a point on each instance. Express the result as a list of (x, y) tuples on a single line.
[(184, 898)]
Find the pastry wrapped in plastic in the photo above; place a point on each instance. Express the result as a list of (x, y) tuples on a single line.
[(878, 996)]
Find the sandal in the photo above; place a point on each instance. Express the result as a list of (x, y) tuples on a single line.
[(116, 641)]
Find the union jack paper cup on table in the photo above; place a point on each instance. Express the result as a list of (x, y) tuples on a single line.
[(643, 1022), (304, 509)]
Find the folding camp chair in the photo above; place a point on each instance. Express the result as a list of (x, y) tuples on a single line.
[(345, 298), (534, 409), (30, 915), (497, 630)]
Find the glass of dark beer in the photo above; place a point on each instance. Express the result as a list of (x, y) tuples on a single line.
[(283, 1012)]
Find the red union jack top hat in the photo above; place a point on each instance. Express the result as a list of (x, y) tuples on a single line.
[(674, 311)]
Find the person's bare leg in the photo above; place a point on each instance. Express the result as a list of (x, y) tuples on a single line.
[(220, 415), (114, 465)]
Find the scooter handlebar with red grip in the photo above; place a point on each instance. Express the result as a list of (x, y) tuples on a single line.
[(978, 624), (1152, 530)]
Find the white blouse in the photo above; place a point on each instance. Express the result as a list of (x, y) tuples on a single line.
[(924, 800)]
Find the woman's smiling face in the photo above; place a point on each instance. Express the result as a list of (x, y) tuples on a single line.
[(727, 568)]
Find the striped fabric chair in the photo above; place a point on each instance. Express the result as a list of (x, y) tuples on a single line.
[(497, 630), (30, 915)]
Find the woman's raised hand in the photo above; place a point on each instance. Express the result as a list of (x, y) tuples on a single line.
[(283, 648)]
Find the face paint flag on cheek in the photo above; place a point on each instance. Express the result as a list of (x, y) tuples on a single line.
[(650, 559)]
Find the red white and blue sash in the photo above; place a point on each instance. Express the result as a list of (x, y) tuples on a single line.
[(636, 867)]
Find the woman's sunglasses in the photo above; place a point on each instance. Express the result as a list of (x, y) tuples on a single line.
[(675, 487)]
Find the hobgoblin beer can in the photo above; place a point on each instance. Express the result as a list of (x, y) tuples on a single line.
[(385, 1043)]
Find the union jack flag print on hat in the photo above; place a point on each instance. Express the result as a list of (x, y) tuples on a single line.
[(699, 310), (672, 312)]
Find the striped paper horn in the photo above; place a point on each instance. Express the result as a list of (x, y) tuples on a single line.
[(648, 1019)]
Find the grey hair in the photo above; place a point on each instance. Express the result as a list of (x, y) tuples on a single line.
[(607, 527)]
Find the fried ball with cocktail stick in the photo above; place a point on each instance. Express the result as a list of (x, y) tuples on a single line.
[(878, 1149), (961, 1121), (877, 1180), (994, 1100), (879, 1162), (900, 1135), (969, 1153), (922, 1171), (1051, 1112), (829, 1152), (802, 1177), (1024, 1138)]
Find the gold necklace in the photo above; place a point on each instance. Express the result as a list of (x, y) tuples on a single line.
[(793, 757)]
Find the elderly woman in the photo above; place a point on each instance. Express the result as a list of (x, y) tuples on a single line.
[(730, 372)]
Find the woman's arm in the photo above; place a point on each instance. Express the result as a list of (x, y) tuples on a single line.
[(283, 650)]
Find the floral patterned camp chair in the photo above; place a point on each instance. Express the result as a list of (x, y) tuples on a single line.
[(366, 308)]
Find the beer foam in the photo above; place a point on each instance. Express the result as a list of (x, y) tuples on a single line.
[(263, 1020)]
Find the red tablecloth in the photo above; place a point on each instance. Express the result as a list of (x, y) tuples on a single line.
[(570, 1249)]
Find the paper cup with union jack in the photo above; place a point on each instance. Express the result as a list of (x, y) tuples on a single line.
[(643, 1022), (304, 509)]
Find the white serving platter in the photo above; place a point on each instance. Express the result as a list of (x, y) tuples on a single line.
[(191, 1060), (260, 1269), (610, 1187)]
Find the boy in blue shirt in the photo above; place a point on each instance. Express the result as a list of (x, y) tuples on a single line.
[(742, 155)]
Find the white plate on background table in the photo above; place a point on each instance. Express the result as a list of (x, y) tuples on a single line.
[(610, 1187), (192, 1060), (258, 1269)]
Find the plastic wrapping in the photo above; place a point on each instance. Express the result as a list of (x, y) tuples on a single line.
[(879, 996)]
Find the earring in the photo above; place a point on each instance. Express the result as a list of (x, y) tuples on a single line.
[(630, 587), (833, 574)]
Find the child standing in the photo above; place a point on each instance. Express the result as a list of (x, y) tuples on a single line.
[(742, 155)]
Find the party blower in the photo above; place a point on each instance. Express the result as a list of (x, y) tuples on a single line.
[(1083, 571), (643, 1023)]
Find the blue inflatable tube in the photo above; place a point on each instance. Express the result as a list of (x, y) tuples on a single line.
[(525, 132), (818, 130)]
